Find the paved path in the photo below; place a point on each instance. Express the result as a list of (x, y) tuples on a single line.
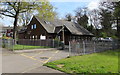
[(30, 62)]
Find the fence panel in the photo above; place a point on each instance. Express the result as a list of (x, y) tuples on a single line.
[(22, 43), (35, 42), (8, 43), (89, 46)]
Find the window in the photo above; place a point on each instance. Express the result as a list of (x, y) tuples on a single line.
[(33, 37), (32, 27), (36, 36), (42, 37), (35, 26), (8, 34)]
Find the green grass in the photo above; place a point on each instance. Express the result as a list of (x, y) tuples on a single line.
[(104, 62), (21, 47)]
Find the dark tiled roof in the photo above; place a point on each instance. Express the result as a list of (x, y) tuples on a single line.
[(55, 25)]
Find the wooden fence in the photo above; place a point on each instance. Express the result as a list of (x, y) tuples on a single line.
[(10, 43), (36, 42)]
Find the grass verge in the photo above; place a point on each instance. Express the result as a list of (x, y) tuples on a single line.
[(104, 62), (21, 47)]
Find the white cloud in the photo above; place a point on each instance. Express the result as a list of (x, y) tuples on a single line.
[(93, 5)]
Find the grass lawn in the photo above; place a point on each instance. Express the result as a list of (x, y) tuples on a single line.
[(20, 47), (104, 62)]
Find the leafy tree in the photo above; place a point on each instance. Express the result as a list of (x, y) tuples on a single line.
[(90, 28), (14, 9), (106, 21), (117, 16), (106, 17), (46, 11), (83, 21), (103, 34)]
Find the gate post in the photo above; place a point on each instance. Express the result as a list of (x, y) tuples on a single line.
[(69, 48), (53, 43), (84, 47), (13, 44)]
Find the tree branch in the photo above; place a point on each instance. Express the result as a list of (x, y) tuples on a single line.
[(7, 11), (22, 11), (7, 15), (25, 10), (13, 6)]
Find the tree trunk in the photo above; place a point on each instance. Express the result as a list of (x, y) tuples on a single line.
[(118, 27), (15, 28)]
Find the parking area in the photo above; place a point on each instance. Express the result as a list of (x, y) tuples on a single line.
[(30, 62)]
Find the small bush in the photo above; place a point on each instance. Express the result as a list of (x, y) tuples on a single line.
[(3, 45)]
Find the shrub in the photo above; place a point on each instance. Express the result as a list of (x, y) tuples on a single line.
[(3, 45)]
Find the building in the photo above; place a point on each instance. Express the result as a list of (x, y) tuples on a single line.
[(64, 30), (7, 31)]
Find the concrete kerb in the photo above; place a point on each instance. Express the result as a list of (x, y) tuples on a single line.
[(34, 50)]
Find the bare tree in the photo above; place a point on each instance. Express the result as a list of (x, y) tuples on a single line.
[(94, 21), (24, 18), (82, 17), (68, 17)]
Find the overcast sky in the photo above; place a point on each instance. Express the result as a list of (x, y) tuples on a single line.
[(68, 6)]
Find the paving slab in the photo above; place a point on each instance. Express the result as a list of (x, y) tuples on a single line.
[(30, 62)]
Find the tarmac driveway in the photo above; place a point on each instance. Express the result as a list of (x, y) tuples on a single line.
[(30, 62)]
